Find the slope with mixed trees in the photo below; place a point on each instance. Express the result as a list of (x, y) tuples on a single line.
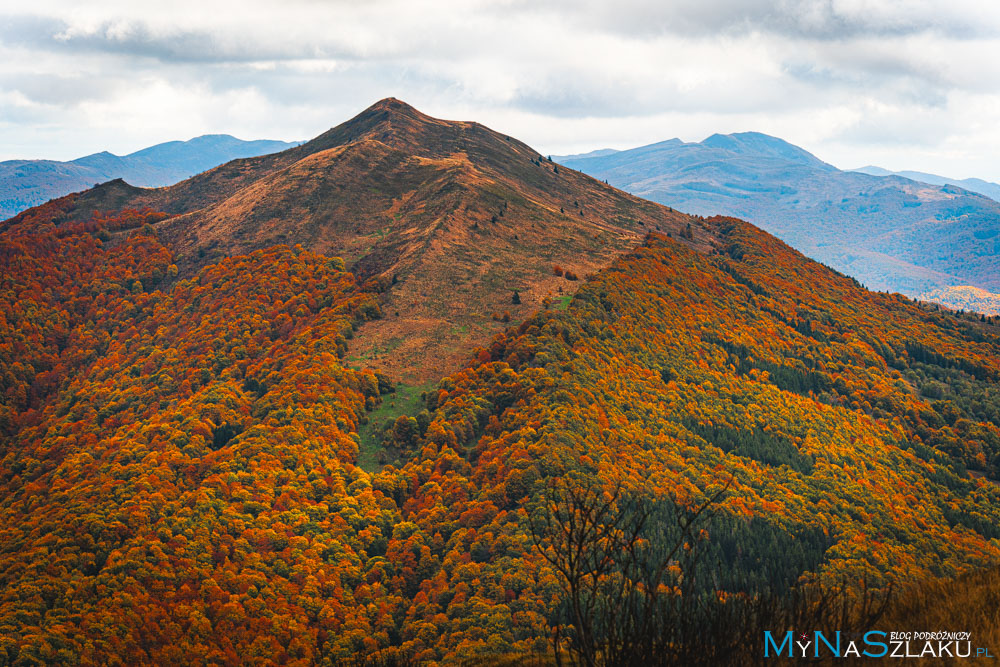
[(890, 232), (180, 475), (843, 420), (172, 459), (28, 183)]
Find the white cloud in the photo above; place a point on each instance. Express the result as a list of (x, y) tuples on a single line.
[(855, 81)]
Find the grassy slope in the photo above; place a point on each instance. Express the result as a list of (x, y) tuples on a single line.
[(405, 400)]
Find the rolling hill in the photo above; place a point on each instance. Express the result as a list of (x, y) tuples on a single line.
[(991, 190), (966, 297), (197, 466), (27, 183), (891, 233)]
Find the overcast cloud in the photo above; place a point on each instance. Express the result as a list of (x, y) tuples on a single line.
[(911, 84)]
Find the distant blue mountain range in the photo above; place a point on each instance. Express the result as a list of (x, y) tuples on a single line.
[(27, 183), (890, 232), (988, 188)]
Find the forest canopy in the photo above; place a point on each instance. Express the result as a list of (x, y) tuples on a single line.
[(179, 476)]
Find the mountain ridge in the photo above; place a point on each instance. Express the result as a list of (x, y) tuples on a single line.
[(979, 185), (28, 183), (890, 232)]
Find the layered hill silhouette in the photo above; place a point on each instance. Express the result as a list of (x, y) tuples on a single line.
[(890, 232), (27, 183), (990, 189), (452, 218), (196, 466)]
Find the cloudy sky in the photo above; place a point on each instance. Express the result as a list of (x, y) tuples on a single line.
[(904, 84)]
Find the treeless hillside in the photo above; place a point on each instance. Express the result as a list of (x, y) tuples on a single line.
[(450, 217)]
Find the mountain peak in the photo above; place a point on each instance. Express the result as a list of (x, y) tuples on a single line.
[(758, 144), (386, 119), (391, 104), (393, 110)]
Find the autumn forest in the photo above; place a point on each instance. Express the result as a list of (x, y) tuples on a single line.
[(196, 467)]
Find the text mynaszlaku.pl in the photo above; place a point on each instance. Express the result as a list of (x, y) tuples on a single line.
[(873, 644)]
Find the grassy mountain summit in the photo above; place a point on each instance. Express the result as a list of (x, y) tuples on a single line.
[(451, 218), (890, 232), (185, 416)]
